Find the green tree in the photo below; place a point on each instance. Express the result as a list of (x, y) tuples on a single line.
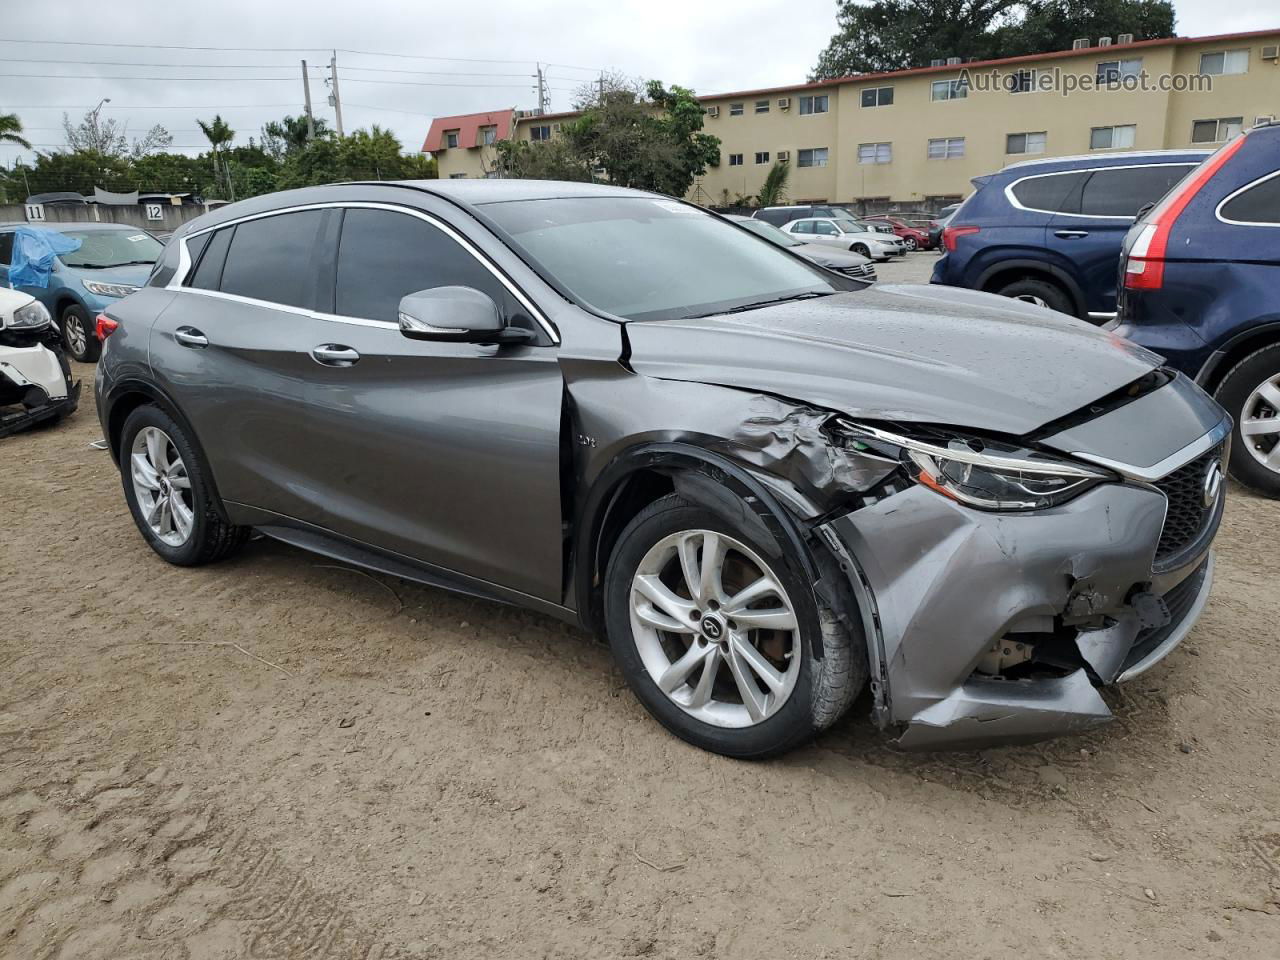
[(219, 133), (774, 191), (11, 130), (884, 35), (280, 138)]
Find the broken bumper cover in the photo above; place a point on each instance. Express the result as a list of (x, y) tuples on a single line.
[(13, 421), (941, 585)]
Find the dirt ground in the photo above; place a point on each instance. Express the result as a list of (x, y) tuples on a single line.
[(280, 757)]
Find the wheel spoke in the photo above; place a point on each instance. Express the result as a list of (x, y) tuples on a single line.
[(144, 474), (752, 698), (779, 618), (744, 598), (652, 616), (155, 511), (158, 450), (178, 475), (1272, 459), (166, 517), (183, 517), (1260, 426), (687, 551), (707, 681), (675, 675), (713, 552), (661, 597), (756, 660), (1270, 392)]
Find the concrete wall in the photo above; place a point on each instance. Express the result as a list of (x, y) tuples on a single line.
[(173, 216)]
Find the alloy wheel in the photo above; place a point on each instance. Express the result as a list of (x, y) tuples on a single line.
[(77, 338), (1260, 423), (715, 629), (162, 486), (1032, 298)]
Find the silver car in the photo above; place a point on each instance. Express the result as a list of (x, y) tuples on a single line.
[(847, 235), (841, 261), (768, 486)]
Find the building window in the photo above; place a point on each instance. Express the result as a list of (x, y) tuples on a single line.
[(540, 133), (1112, 138), (818, 104), (1025, 143), (877, 97), (457, 176), (948, 90), (762, 156), (875, 153), (1113, 71), (735, 159), (762, 106), (1224, 61), (1021, 81), (735, 109), (451, 138), (488, 136), (815, 157), (946, 148), (1216, 131)]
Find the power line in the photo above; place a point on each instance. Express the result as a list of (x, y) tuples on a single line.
[(261, 66), (399, 83)]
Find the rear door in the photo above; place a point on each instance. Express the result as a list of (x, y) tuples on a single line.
[(1092, 235)]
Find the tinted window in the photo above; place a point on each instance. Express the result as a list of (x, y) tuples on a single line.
[(1122, 193), (270, 259), (6, 247), (208, 273), (383, 256), (1057, 193), (1258, 204)]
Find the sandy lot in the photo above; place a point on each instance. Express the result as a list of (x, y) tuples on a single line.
[(278, 757)]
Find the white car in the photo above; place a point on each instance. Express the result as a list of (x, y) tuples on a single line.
[(848, 235), (35, 379)]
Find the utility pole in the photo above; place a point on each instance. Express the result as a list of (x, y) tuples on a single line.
[(601, 82), (543, 106), (306, 94), (335, 97)]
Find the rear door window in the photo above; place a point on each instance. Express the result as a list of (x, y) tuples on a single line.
[(1258, 204), (383, 256), (208, 273), (6, 247), (1051, 193), (1122, 192), (271, 258)]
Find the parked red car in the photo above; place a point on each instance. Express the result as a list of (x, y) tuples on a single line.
[(914, 237)]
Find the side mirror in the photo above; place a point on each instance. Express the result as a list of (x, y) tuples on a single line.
[(458, 315)]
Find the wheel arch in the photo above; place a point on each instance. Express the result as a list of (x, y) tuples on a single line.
[(1225, 358), (1006, 271), (643, 473)]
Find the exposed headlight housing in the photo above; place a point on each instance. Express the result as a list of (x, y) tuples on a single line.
[(29, 316), (982, 473), (98, 288)]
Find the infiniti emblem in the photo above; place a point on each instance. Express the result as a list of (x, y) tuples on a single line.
[(711, 628), (1212, 483)]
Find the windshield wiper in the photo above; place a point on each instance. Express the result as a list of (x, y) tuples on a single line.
[(810, 295)]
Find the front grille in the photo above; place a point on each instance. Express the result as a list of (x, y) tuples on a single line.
[(1188, 520), (865, 271)]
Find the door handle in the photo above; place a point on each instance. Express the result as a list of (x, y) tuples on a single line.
[(1065, 234), (190, 337), (334, 355)]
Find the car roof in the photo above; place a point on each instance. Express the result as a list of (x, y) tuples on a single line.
[(1124, 158), (476, 192)]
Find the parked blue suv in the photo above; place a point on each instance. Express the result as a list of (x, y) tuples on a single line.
[(1201, 286), (1050, 231)]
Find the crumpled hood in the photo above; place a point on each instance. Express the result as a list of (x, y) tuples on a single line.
[(917, 353)]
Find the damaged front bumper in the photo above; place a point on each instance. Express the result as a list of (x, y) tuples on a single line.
[(988, 628)]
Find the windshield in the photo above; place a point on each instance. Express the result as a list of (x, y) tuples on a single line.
[(771, 233), (647, 258), (111, 248)]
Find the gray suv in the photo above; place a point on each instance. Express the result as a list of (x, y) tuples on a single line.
[(768, 485)]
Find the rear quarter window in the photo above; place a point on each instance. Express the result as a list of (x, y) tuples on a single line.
[(1124, 191), (1256, 204), (1050, 193)]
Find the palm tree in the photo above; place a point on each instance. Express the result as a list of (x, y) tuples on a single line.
[(11, 130), (774, 190), (219, 134)]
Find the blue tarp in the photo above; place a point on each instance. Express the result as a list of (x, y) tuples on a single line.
[(33, 253)]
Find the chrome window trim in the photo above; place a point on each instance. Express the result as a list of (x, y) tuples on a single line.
[(177, 281), (1174, 461), (1217, 212), (1014, 202)]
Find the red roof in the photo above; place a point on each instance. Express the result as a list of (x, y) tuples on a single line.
[(468, 126)]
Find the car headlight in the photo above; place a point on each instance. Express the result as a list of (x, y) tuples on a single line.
[(983, 473), (30, 316), (101, 289)]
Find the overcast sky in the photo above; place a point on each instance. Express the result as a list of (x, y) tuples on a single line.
[(714, 45)]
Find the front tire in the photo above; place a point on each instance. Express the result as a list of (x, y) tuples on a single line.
[(716, 636), (860, 249), (78, 335), (1040, 292), (167, 486), (1251, 393), (911, 244)]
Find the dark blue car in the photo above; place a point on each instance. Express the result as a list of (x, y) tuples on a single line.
[(1050, 231), (1201, 286)]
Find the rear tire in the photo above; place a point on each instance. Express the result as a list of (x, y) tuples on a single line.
[(816, 692), (1040, 292), (1251, 394), (209, 537), (78, 334)]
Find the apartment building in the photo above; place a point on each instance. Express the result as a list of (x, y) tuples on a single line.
[(910, 139)]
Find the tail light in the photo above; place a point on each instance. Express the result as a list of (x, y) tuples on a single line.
[(949, 235), (1144, 265), (104, 326)]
